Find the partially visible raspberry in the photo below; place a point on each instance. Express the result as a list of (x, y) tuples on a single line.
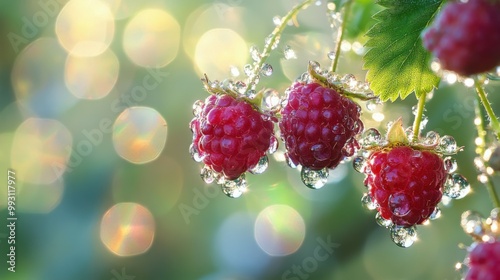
[(318, 126), (484, 262), (406, 183), (230, 135), (465, 36)]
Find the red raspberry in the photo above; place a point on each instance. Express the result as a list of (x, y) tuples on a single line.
[(230, 135), (316, 124), (484, 262), (465, 37), (405, 183)]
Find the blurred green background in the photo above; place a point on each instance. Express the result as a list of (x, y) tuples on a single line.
[(96, 97)]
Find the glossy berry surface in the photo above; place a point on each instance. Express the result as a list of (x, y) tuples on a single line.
[(484, 262), (465, 37), (318, 125), (230, 135), (405, 183)]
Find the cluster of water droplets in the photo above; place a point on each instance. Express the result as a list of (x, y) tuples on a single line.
[(456, 186), (480, 229)]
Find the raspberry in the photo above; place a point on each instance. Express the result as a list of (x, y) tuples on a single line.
[(318, 126), (405, 183), (230, 135), (465, 37), (483, 262)]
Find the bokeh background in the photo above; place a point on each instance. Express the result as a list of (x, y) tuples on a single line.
[(96, 97)]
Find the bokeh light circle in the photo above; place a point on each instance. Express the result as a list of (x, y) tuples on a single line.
[(38, 79), (127, 229), (139, 134), (91, 77), (217, 50), (85, 27), (40, 150), (38, 198), (279, 230), (152, 38)]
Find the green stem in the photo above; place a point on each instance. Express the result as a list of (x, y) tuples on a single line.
[(272, 40), (335, 61), (495, 125), (480, 148), (418, 118)]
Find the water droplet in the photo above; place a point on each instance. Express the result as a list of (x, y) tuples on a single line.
[(435, 214), (359, 164), (289, 161), (234, 71), (331, 55), (424, 122), (368, 202), (403, 236), (381, 221), (431, 138), (268, 40), (456, 186), (314, 179), (349, 80), (208, 175), (266, 70), (273, 145), (254, 53), (450, 165), (240, 87), (409, 132), (472, 223), (195, 154), (371, 105), (234, 188), (289, 53), (448, 145), (315, 66), (261, 166), (272, 100), (197, 108), (251, 94), (370, 138), (276, 20)]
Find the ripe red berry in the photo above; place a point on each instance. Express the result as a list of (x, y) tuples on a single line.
[(318, 126), (484, 260), (230, 135), (465, 36), (405, 183)]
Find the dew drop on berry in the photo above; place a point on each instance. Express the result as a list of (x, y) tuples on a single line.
[(403, 236), (197, 108), (289, 161), (254, 53), (261, 166), (472, 223), (448, 145), (289, 53), (370, 138), (399, 203), (266, 70), (381, 221), (234, 188), (431, 138), (450, 165), (208, 175), (368, 202), (435, 214), (273, 145), (195, 154), (314, 179), (456, 186), (359, 164)]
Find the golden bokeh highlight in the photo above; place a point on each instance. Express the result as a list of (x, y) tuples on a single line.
[(5, 146), (85, 27), (279, 230), (152, 38), (38, 198), (160, 195), (38, 79), (91, 77), (127, 229), (217, 50), (206, 17), (139, 134), (40, 150)]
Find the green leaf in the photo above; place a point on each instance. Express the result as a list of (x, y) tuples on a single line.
[(396, 61), (360, 18)]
